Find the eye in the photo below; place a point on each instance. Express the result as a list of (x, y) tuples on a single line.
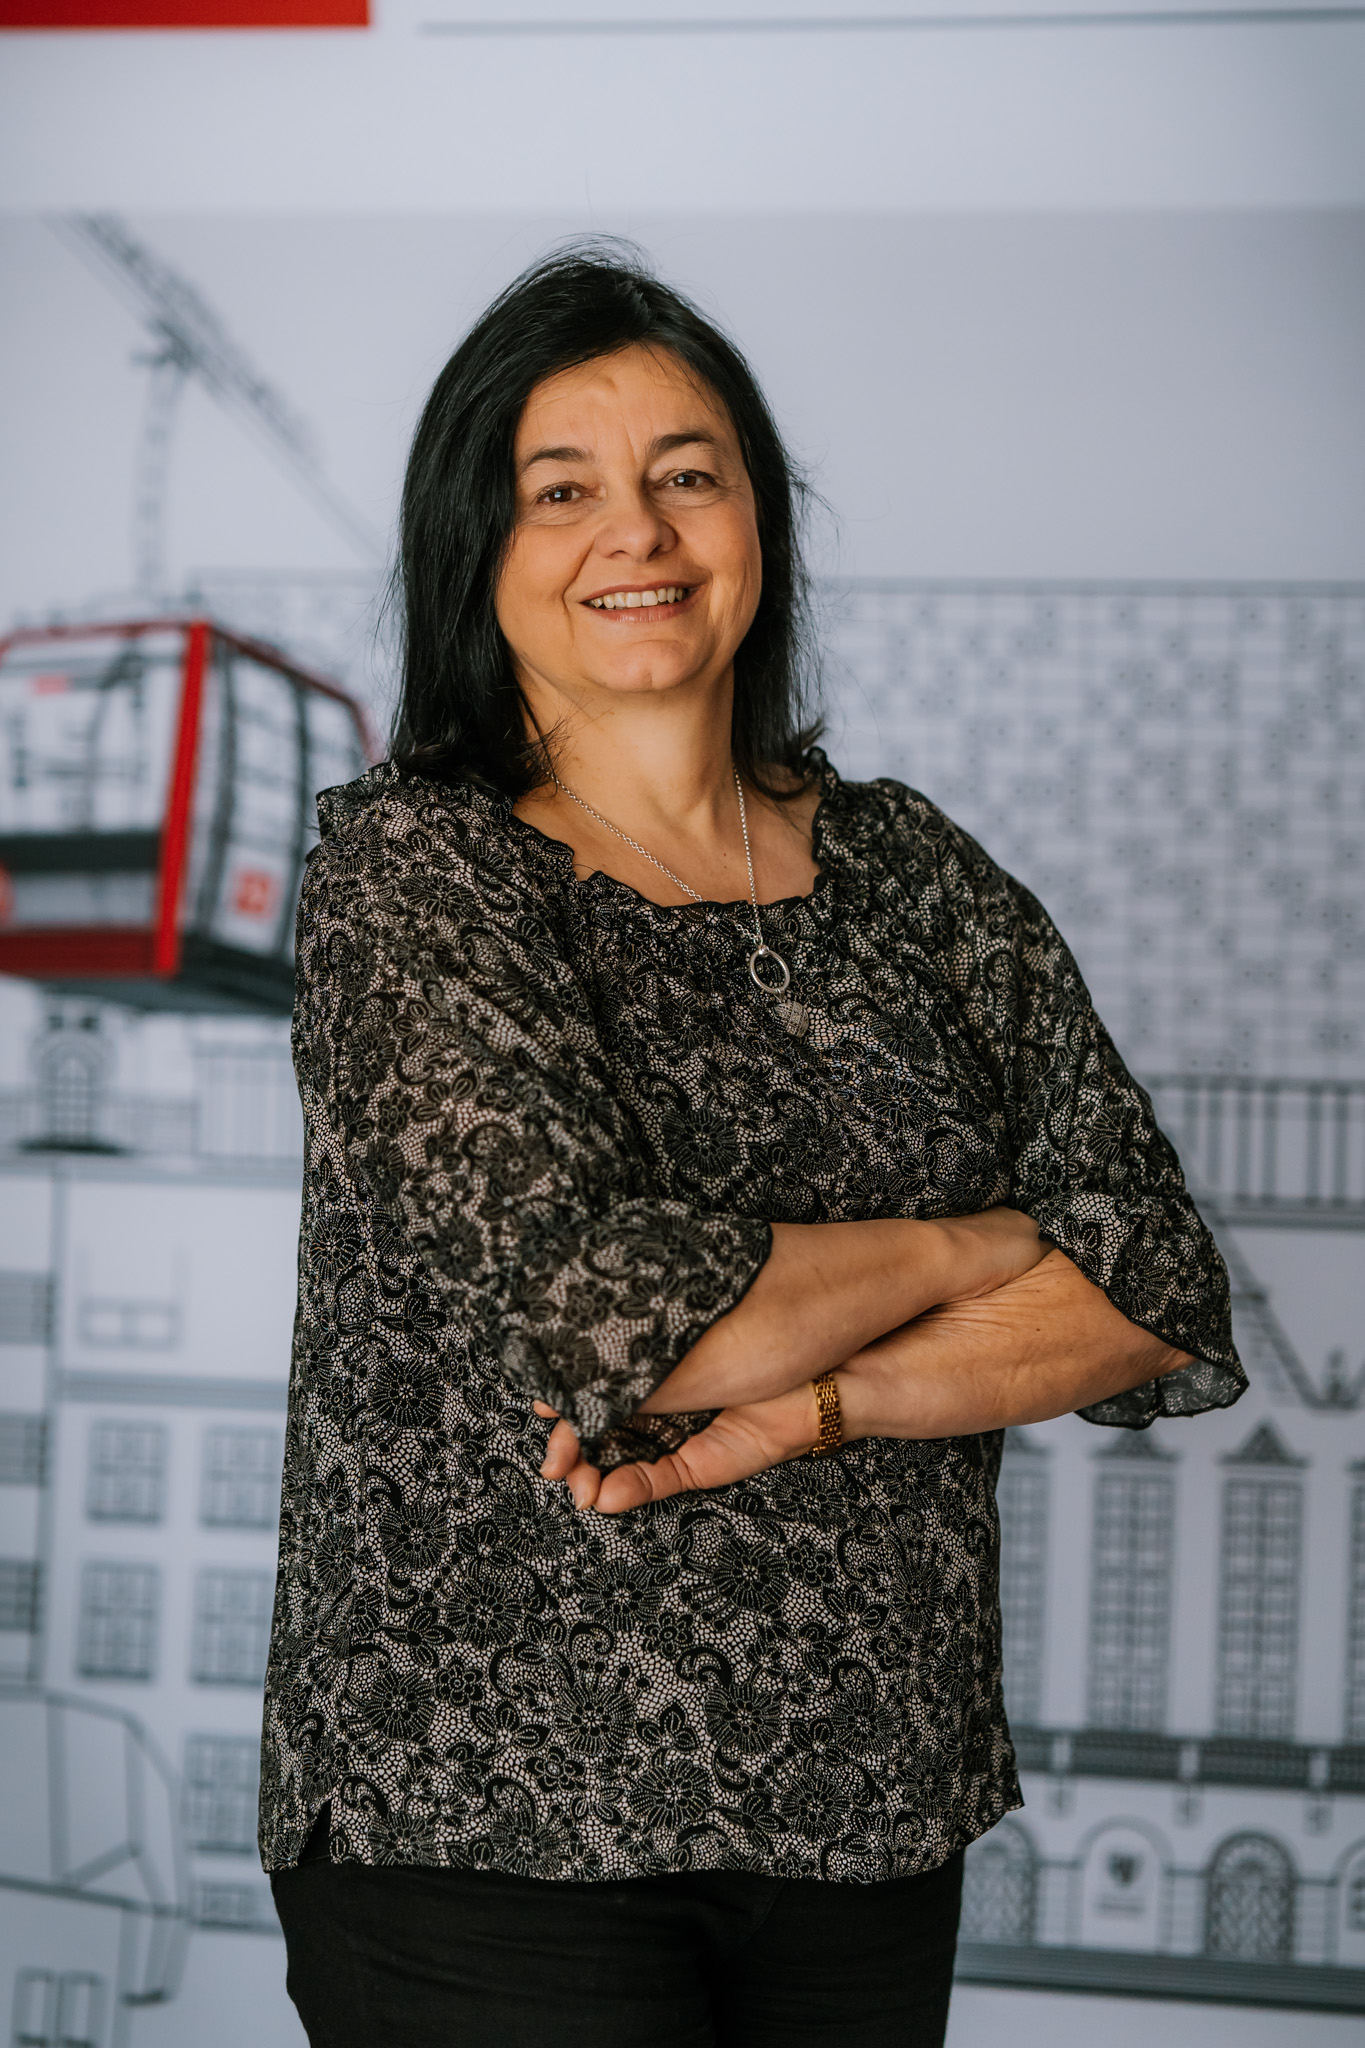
[(558, 494), (687, 479)]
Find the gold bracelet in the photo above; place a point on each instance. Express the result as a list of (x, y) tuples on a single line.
[(831, 1416)]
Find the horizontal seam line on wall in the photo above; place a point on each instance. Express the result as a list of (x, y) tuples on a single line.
[(898, 24)]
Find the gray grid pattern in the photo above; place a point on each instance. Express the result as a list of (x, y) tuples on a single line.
[(126, 1481), (219, 1788), (1258, 1621), (118, 1621), (1355, 1630), (23, 1449), (1130, 1599), (20, 1583), (25, 1308), (1022, 1500), (231, 1627), (241, 1483), (1175, 770)]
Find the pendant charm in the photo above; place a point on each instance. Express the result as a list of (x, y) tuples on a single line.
[(784, 973)]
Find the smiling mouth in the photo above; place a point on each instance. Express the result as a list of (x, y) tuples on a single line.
[(668, 595)]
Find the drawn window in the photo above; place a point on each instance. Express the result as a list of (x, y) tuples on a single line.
[(1258, 1623), (241, 1478), (1355, 1640), (222, 1774), (58, 2011), (25, 1308), (1022, 1498), (127, 1472), (1251, 1901), (69, 1076), (248, 1103), (232, 1627), (110, 1321), (19, 1581), (118, 1621), (1130, 1599), (999, 1883), (1353, 1896), (23, 1450), (35, 2009), (217, 1904)]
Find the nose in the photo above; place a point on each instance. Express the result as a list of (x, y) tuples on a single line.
[(634, 526)]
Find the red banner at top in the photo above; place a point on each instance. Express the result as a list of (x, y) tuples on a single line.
[(59, 14)]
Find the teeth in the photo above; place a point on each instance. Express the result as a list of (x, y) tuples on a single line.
[(632, 600)]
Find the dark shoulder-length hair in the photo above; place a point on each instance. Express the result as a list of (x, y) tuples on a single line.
[(460, 715)]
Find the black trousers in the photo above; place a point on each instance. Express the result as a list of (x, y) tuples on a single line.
[(417, 1958)]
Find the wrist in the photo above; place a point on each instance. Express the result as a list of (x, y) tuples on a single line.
[(986, 1252), (949, 1257), (856, 1402), (791, 1421)]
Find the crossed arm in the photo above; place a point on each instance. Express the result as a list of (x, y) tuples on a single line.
[(936, 1329)]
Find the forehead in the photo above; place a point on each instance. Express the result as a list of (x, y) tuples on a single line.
[(647, 391)]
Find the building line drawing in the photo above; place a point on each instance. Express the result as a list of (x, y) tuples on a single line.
[(1184, 1645)]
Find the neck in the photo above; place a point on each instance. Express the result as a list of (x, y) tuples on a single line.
[(650, 759)]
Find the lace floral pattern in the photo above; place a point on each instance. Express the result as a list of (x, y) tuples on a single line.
[(548, 1125)]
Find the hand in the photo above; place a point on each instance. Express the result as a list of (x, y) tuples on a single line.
[(564, 1459), (1042, 1344), (828, 1289), (740, 1442)]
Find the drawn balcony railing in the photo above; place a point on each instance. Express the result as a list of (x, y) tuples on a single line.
[(1247, 1761), (245, 1111), (1270, 1151)]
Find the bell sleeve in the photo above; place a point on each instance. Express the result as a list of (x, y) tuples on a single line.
[(451, 1050), (1090, 1164)]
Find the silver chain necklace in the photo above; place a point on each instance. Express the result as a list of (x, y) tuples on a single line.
[(762, 950)]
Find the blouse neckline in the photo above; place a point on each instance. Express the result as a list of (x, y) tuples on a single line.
[(561, 855)]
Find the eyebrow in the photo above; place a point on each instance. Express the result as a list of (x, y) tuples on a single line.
[(664, 445)]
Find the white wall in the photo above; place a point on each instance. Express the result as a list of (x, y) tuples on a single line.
[(1097, 395)]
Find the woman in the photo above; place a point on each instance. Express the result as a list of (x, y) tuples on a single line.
[(652, 1071)]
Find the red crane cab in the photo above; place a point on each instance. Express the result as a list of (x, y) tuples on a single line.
[(157, 800)]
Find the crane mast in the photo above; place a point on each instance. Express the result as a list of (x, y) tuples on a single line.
[(189, 339)]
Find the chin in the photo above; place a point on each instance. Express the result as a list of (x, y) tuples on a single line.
[(641, 679)]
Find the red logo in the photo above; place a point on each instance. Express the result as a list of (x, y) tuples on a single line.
[(253, 892), (59, 14)]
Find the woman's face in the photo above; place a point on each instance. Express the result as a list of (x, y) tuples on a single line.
[(635, 564)]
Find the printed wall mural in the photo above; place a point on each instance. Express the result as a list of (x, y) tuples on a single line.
[(1177, 772)]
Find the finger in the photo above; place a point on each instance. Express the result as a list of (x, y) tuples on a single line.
[(544, 1408), (584, 1483), (562, 1452), (732, 1447)]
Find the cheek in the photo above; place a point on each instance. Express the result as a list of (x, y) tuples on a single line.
[(739, 561), (530, 587)]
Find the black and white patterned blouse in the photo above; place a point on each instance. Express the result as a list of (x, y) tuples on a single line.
[(548, 1124)]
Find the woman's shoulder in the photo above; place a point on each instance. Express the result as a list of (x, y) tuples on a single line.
[(391, 823), (424, 879), (885, 824)]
